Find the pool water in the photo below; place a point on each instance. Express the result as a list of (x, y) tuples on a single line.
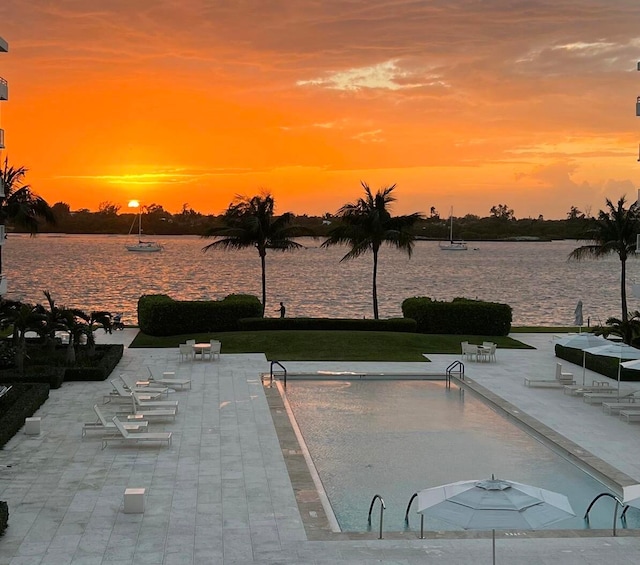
[(395, 438)]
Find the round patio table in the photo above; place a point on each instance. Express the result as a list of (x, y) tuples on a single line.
[(201, 348)]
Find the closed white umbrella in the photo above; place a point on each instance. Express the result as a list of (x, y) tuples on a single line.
[(619, 350), (578, 320), (494, 504)]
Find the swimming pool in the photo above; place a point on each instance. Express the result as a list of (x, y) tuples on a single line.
[(394, 438)]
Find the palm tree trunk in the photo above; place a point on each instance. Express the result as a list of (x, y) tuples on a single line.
[(623, 291), (375, 285), (263, 264)]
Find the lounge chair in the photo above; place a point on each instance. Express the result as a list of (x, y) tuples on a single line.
[(103, 425), (607, 395), (630, 415), (145, 389), (614, 407), (121, 394), (146, 403), (169, 380), (562, 379), (127, 437), (579, 390), (137, 413)]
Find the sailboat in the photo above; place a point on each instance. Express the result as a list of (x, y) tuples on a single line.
[(452, 245), (142, 246)]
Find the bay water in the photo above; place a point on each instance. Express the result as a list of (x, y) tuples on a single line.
[(96, 272)]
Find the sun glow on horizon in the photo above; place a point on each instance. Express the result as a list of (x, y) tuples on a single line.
[(133, 204)]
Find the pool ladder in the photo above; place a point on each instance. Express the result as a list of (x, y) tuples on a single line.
[(283, 373), (382, 509), (455, 367), (623, 517)]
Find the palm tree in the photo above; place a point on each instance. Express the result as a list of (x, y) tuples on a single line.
[(613, 231), (249, 222), (20, 204), (629, 331), (53, 320), (366, 224), (23, 318)]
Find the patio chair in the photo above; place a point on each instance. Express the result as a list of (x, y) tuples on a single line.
[(469, 351), (104, 425), (127, 437), (186, 352), (214, 350)]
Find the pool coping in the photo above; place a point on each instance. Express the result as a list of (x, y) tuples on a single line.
[(318, 526)]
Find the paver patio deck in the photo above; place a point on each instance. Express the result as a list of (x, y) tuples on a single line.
[(221, 492)]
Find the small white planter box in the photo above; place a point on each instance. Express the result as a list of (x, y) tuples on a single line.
[(32, 426)]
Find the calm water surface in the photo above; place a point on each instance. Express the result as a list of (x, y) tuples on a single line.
[(395, 438), (96, 272)]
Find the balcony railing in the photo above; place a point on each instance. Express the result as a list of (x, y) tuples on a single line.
[(3, 284), (1, 138), (4, 89)]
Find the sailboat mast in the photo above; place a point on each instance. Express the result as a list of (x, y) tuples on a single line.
[(451, 225)]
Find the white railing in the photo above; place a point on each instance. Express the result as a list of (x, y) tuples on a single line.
[(3, 284)]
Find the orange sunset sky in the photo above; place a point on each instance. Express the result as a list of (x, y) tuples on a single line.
[(460, 103)]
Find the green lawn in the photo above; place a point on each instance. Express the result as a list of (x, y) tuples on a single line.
[(332, 345)]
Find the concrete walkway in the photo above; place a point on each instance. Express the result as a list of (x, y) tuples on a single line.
[(221, 492)]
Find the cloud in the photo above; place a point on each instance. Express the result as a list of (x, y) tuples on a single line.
[(387, 75)]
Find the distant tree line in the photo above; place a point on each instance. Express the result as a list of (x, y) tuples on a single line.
[(501, 223)]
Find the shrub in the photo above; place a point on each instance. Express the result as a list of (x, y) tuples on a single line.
[(607, 366), (4, 516), (20, 403), (7, 354), (328, 324), (52, 376), (160, 315), (51, 370), (461, 316)]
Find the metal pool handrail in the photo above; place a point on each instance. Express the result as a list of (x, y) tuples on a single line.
[(615, 510), (382, 509), (406, 515), (282, 367), (459, 365)]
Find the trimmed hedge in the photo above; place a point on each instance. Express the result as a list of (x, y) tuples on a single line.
[(105, 361), (4, 516), (160, 315), (461, 316), (328, 324), (52, 376), (607, 366), (20, 403)]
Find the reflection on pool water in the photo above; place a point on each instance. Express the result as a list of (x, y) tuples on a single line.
[(395, 438)]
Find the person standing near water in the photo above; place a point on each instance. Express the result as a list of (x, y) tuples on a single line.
[(282, 309)]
